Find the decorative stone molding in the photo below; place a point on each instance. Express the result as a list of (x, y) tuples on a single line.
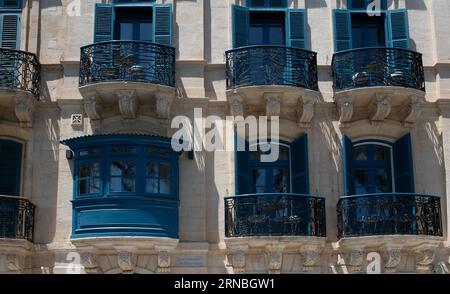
[(311, 258), (237, 258), (393, 259), (128, 103), (274, 257), (125, 261), (424, 259), (236, 104), (305, 111), (163, 262), (89, 261), (412, 110), (163, 103), (381, 106), (23, 109), (273, 104), (345, 109), (356, 260), (14, 263)]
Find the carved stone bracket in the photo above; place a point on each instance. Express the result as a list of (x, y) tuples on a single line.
[(274, 258), (424, 258), (163, 262), (237, 259), (125, 261), (305, 111), (345, 109), (311, 258), (163, 103), (14, 263), (93, 108), (393, 259), (412, 110), (381, 106), (89, 261), (128, 103), (273, 104), (23, 108), (236, 104), (356, 260)]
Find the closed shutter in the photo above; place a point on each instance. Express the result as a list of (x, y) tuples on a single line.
[(10, 30), (342, 30), (10, 167), (104, 23), (403, 165), (162, 16), (241, 26), (398, 28), (296, 28), (349, 166), (242, 167), (299, 165)]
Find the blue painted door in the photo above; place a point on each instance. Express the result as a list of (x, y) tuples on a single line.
[(134, 24)]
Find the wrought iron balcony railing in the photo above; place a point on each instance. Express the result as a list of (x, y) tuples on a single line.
[(20, 70), (132, 61), (371, 67), (389, 214), (16, 218), (274, 215), (271, 65)]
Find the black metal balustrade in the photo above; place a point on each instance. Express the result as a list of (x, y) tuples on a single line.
[(271, 65), (16, 218), (371, 67), (132, 61), (20, 70), (389, 214), (274, 215)]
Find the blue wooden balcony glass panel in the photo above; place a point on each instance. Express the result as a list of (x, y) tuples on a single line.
[(16, 218), (389, 214), (271, 65), (380, 66), (131, 61), (274, 215), (20, 70)]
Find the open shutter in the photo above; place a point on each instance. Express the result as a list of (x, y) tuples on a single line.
[(342, 30), (242, 168), (403, 165), (10, 30), (398, 28), (296, 28), (104, 22), (10, 167), (241, 26), (349, 166), (299, 165), (162, 16)]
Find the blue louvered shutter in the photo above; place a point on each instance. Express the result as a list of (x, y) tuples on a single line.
[(104, 23), (403, 165), (299, 165), (398, 28), (296, 28), (10, 167), (242, 168), (241, 26), (342, 30), (162, 17), (349, 166), (10, 30)]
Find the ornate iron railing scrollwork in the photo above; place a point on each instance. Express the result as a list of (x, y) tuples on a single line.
[(271, 65), (20, 70), (16, 218), (132, 61), (379, 66), (389, 214), (274, 215)]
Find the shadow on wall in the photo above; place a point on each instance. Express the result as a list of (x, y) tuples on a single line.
[(318, 3), (416, 5)]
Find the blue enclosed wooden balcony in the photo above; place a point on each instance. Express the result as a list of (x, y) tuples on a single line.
[(378, 67), (389, 214), (16, 218), (280, 214)]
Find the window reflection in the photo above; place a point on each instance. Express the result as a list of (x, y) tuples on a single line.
[(123, 176), (89, 178)]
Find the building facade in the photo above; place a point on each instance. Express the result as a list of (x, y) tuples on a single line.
[(89, 96)]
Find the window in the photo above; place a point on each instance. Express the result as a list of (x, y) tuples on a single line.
[(374, 167), (10, 167), (10, 15), (364, 4), (10, 4), (266, 3), (89, 178)]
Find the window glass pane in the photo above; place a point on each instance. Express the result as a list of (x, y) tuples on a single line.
[(84, 170), (276, 35), (361, 182), (152, 151), (381, 153), (94, 185), (123, 149), (164, 171), (126, 31), (259, 180), (145, 32), (382, 181), (129, 173), (165, 186), (115, 184), (152, 170), (116, 168), (280, 180), (165, 153), (256, 35), (360, 153), (82, 187), (284, 153), (88, 152), (151, 186)]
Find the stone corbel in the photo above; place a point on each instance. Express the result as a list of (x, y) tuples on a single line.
[(305, 111), (273, 104), (128, 103), (125, 261), (424, 258), (345, 109), (23, 108), (93, 108), (237, 259), (381, 107), (393, 259), (163, 262), (274, 257), (89, 261), (236, 104), (412, 110), (14, 263), (311, 258), (356, 260), (163, 104)]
